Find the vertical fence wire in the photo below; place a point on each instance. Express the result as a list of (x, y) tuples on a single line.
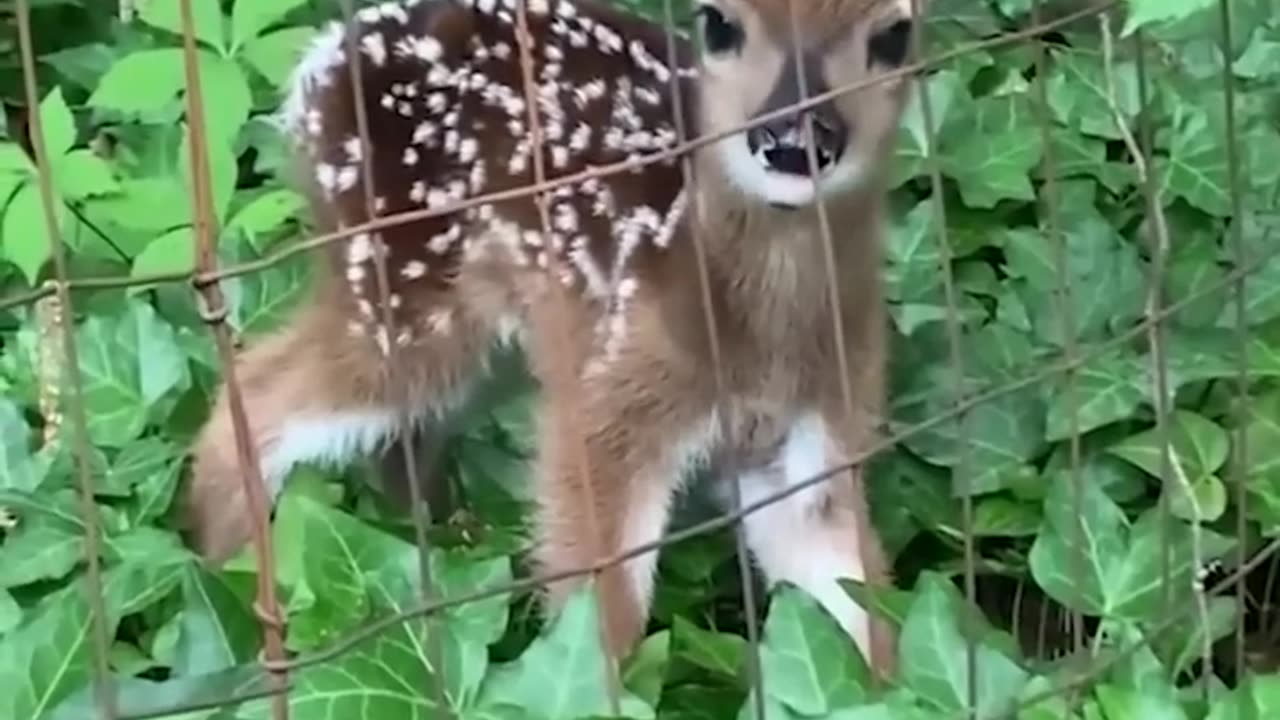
[(214, 312), (1052, 227), (394, 376), (955, 350), (1240, 450), (1158, 245), (98, 621), (1066, 326), (834, 301), (750, 604), (582, 457)]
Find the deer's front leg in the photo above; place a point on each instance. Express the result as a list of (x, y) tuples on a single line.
[(821, 534), (611, 459)]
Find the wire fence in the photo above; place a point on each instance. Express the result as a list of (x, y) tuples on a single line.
[(1066, 367)]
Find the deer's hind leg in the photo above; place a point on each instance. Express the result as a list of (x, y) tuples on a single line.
[(318, 392)]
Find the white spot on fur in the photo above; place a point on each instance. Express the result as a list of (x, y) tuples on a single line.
[(375, 47), (414, 269)]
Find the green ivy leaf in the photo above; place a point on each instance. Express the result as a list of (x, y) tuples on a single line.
[(934, 660), (266, 213), (1183, 644), (172, 252), (1197, 449), (911, 151), (1257, 696), (26, 234), (334, 559), (20, 468), (39, 551), (1261, 462), (1092, 561), (250, 17), (812, 666), (10, 612), (992, 442), (998, 516), (1196, 169), (911, 249), (153, 204), (262, 301), (1121, 702), (990, 150), (128, 363), (1148, 12), (81, 174), (216, 630), (13, 159), (1079, 96), (645, 669), (1261, 296), (58, 124), (50, 656), (227, 103), (206, 16), (1261, 58), (562, 674), (141, 83), (275, 54), (719, 653), (146, 84), (1107, 388), (222, 174)]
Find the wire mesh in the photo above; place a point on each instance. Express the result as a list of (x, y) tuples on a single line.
[(1150, 329)]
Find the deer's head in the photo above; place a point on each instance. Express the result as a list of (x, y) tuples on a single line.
[(760, 56)]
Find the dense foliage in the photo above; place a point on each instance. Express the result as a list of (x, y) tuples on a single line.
[(1053, 250)]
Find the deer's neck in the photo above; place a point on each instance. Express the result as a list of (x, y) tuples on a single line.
[(773, 263)]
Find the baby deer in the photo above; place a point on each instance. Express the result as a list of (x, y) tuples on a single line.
[(630, 398)]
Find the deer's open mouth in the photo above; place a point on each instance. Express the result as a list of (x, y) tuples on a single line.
[(785, 150)]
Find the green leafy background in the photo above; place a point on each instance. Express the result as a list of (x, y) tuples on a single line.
[(1094, 548)]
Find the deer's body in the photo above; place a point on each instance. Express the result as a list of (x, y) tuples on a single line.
[(608, 303)]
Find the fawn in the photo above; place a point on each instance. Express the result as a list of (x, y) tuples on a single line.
[(629, 398)]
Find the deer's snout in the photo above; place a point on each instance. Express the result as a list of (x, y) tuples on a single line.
[(782, 145)]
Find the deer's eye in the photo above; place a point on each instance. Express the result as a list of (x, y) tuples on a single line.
[(889, 46), (719, 34)]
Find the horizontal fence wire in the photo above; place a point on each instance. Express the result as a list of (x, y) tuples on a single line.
[(208, 275)]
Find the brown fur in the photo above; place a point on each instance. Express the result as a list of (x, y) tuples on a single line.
[(631, 408)]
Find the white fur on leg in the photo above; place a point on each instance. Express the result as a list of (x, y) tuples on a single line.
[(645, 522), (650, 507), (792, 541), (331, 438)]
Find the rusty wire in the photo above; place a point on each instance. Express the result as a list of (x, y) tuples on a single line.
[(207, 276), (103, 687), (1239, 440), (394, 371), (214, 313), (954, 350)]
